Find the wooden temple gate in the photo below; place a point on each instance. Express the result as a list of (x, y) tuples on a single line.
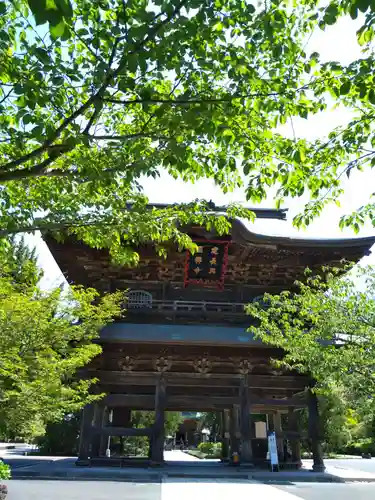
[(177, 379), (183, 345)]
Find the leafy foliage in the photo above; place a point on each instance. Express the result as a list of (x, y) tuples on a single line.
[(45, 338), (95, 95), (61, 438), (327, 329), (211, 450), (147, 418), (4, 471), (19, 263), (140, 445), (212, 421)]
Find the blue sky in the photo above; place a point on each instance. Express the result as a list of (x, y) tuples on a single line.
[(336, 43)]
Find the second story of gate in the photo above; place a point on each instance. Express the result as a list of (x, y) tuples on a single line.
[(212, 285)]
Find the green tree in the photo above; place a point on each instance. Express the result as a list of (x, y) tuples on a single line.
[(45, 338), (19, 262), (326, 329), (95, 95), (140, 445), (212, 421), (147, 418)]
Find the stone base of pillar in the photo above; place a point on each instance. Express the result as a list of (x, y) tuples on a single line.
[(156, 463), (82, 462), (318, 468), (247, 465)]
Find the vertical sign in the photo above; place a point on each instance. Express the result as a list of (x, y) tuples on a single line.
[(272, 450), (208, 264)]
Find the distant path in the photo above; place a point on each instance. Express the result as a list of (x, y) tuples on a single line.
[(179, 456)]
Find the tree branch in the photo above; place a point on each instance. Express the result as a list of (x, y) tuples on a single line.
[(152, 33), (182, 102), (6, 96), (127, 137), (110, 76), (87, 46), (40, 170)]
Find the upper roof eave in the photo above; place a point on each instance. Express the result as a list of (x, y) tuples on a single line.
[(260, 213), (242, 234)]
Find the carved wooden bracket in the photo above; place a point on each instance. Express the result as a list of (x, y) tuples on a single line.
[(245, 367), (126, 364), (163, 364), (203, 365)]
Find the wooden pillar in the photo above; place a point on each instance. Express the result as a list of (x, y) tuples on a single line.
[(225, 435), (245, 409), (235, 430), (85, 435), (158, 438), (121, 418), (270, 422), (295, 443), (99, 412), (314, 432), (279, 439)]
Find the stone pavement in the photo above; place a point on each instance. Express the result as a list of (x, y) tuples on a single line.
[(179, 456), (221, 490), (185, 489), (178, 466)]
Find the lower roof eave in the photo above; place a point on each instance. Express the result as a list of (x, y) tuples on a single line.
[(178, 334)]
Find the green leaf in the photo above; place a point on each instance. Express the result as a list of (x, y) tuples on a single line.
[(65, 7), (362, 5), (371, 96), (345, 88), (353, 11), (27, 119), (58, 30), (250, 8)]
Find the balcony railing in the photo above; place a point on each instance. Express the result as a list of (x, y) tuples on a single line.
[(189, 306)]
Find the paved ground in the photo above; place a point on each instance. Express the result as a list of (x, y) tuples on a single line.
[(77, 490), (316, 491), (354, 463), (178, 456), (185, 490), (172, 457), (181, 465)]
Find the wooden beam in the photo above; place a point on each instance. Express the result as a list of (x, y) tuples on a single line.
[(174, 379), (187, 402), (294, 402), (121, 431), (133, 401)]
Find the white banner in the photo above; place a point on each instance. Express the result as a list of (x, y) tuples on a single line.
[(272, 449)]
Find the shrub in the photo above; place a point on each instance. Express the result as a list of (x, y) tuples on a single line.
[(361, 446), (4, 470), (212, 450), (61, 438), (207, 448)]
